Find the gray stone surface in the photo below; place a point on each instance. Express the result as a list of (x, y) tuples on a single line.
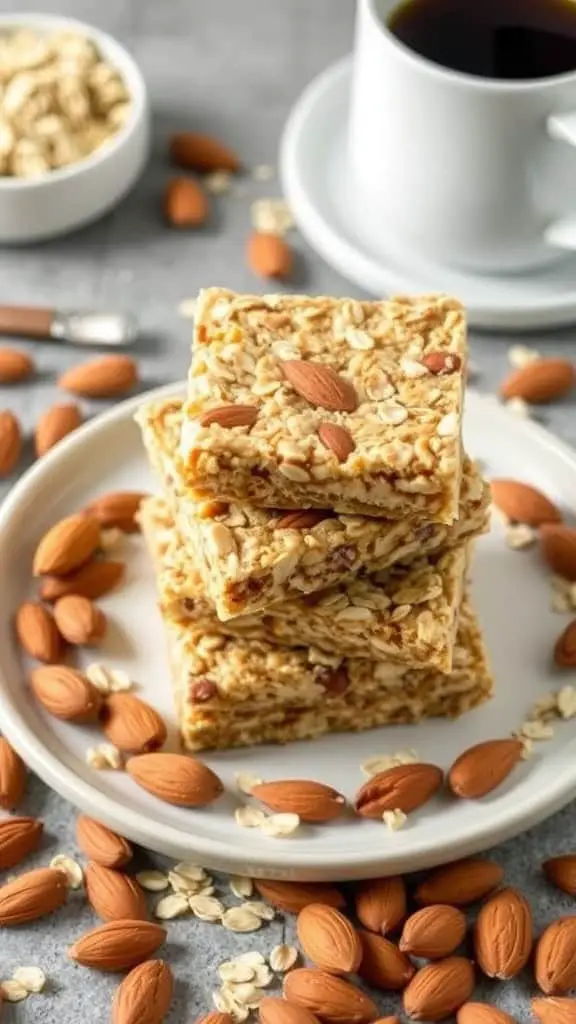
[(234, 69)]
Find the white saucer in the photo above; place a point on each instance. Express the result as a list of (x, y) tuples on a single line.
[(313, 167)]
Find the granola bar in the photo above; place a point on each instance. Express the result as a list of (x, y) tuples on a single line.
[(406, 614), (298, 402), (250, 557)]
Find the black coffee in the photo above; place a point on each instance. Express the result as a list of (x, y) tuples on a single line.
[(511, 39)]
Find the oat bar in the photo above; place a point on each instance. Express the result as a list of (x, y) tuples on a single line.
[(298, 402)]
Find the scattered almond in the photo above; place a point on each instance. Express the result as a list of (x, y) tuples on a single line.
[(404, 787), (550, 1011), (66, 546), (93, 580), (320, 385), (331, 998), (12, 776), (215, 1018), (562, 872), (18, 838), (56, 423), (292, 897), (328, 939), (383, 965), (101, 844), (106, 377), (558, 546), (381, 903), (311, 801), (228, 416), (522, 503), (198, 152), (118, 508), (132, 725), (66, 693), (565, 647), (175, 778), (113, 895), (433, 932), (145, 995), (272, 1010), (38, 633), (441, 363), (460, 883), (268, 255), (555, 957), (185, 203), (10, 441), (117, 945), (14, 365), (302, 519), (482, 1013), (503, 935), (439, 989), (79, 620), (337, 439), (482, 768), (31, 896), (542, 380)]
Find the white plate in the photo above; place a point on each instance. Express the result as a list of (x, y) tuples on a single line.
[(512, 591), (314, 173)]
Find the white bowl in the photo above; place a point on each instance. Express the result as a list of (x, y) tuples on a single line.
[(35, 209)]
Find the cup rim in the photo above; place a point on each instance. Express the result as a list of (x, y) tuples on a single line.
[(462, 78)]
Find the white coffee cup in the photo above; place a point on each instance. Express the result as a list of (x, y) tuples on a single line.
[(475, 172)]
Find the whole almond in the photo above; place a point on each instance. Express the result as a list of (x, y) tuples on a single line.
[(542, 380), (551, 1011), (66, 546), (106, 377), (439, 989), (337, 439), (185, 203), (199, 152), (383, 965), (31, 896), (145, 995), (18, 838), (331, 998), (10, 441), (565, 647), (215, 1018), (66, 693), (320, 385), (503, 935), (328, 939), (273, 1010), (404, 787), (301, 519), (482, 768), (93, 580), (12, 776), (558, 546), (381, 903), (228, 416), (433, 932), (175, 778), (555, 957), (38, 633), (14, 365), (113, 895), (311, 801), (101, 844), (562, 872), (292, 897), (56, 423), (268, 255), (460, 883), (79, 620), (522, 503), (132, 725), (117, 945), (119, 509), (482, 1013)]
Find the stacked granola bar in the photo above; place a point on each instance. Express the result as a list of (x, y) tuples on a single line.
[(313, 537)]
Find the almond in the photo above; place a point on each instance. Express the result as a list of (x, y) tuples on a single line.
[(217, 1018), (145, 995), (562, 872), (482, 768), (565, 647), (38, 633), (93, 580), (132, 725), (100, 844), (66, 546), (268, 255), (31, 896), (433, 932), (273, 1010), (558, 546), (106, 377), (18, 838), (555, 957), (302, 519), (10, 442), (228, 416), (503, 935), (117, 945), (66, 693), (404, 787), (328, 939), (320, 385), (441, 363), (311, 801), (381, 903), (119, 509), (460, 883), (542, 380), (332, 999), (204, 153), (337, 439), (482, 1013), (383, 965), (79, 621), (14, 365), (185, 203), (522, 503), (439, 989), (175, 778), (113, 895), (550, 1011), (292, 897), (56, 423), (12, 776)]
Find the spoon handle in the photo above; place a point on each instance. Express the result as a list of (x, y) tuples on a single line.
[(26, 321)]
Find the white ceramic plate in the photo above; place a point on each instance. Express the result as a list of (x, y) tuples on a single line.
[(314, 173), (512, 592)]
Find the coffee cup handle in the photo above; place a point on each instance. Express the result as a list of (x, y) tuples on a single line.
[(562, 233)]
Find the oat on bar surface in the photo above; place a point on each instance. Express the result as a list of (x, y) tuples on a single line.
[(298, 402), (406, 614), (250, 557)]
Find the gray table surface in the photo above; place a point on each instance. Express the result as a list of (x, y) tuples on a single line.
[(233, 69)]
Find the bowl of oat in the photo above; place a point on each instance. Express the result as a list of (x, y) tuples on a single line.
[(74, 125)]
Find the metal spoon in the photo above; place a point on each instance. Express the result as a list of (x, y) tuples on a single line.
[(79, 327)]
